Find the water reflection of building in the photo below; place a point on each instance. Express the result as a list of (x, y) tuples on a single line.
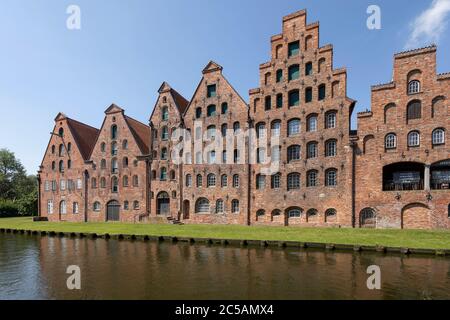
[(138, 270)]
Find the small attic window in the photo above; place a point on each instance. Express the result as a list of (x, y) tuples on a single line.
[(211, 91), (61, 132), (164, 99)]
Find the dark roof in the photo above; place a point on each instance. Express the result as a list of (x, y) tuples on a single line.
[(85, 136), (180, 101), (141, 134)]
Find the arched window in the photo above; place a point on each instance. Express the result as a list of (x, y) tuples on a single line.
[(330, 213), (368, 218), (164, 154), (53, 165), (202, 205), (62, 207), (279, 100), (96, 206), (103, 147), (279, 75), (331, 148), (438, 136), (390, 113), (114, 185), (114, 148), (236, 127), (293, 72), (165, 133), (211, 180), (53, 149), (69, 147), (199, 181), (413, 87), (294, 98), (113, 132), (163, 174), (311, 178), (390, 141), (260, 181), (114, 166), (276, 154), (102, 182), (235, 206), (268, 103), (276, 128), (293, 181), (211, 110), (103, 164), (322, 92), (413, 139), (311, 123), (322, 64), (172, 174), (69, 164), (260, 213), (125, 144), (293, 127), (125, 162), (294, 213), (267, 78), (311, 150), (135, 181), (126, 205), (198, 113), (211, 132), (61, 132), (330, 120), (311, 213), (414, 110), (136, 205), (165, 113), (293, 153), (219, 206), (188, 180), (61, 166), (261, 155), (125, 181), (261, 130), (224, 108), (275, 181), (331, 178), (308, 69), (211, 157), (61, 150), (224, 181), (94, 183), (308, 95), (236, 181)]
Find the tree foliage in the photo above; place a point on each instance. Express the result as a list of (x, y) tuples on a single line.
[(18, 192)]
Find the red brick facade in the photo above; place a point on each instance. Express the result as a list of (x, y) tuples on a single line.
[(289, 157)]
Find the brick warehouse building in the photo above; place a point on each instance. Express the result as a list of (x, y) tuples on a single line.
[(289, 157)]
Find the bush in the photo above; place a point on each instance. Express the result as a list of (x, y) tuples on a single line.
[(8, 209)]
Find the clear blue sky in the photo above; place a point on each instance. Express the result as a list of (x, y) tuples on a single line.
[(125, 49)]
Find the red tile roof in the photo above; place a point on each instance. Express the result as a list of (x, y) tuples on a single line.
[(85, 136), (141, 134)]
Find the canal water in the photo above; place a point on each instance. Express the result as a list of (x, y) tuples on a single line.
[(34, 267)]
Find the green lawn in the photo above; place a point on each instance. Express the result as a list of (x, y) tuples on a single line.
[(389, 238)]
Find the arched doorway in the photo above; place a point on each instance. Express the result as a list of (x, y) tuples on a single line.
[(416, 216), (368, 218), (163, 203), (186, 209), (113, 211)]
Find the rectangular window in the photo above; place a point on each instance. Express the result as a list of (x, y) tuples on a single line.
[(280, 101), (63, 185), (294, 98), (268, 103), (79, 184), (47, 186), (279, 75), (293, 49), (211, 91), (294, 73), (308, 95), (54, 185), (50, 206), (308, 69), (275, 183)]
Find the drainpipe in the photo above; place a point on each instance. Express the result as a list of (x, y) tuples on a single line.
[(353, 145), (86, 195), (39, 195), (249, 169)]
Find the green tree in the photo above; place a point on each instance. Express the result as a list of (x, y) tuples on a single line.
[(17, 190)]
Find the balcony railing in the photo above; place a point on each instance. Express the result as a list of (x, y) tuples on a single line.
[(407, 186)]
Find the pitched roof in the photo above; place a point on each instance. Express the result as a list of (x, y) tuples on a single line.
[(84, 135), (180, 102), (141, 134), (211, 67)]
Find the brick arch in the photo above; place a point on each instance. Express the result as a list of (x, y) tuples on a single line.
[(438, 107), (415, 74), (368, 144), (416, 216), (390, 113)]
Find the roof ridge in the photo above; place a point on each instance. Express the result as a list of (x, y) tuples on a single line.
[(416, 50)]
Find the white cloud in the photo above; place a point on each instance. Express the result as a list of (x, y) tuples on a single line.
[(429, 25)]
